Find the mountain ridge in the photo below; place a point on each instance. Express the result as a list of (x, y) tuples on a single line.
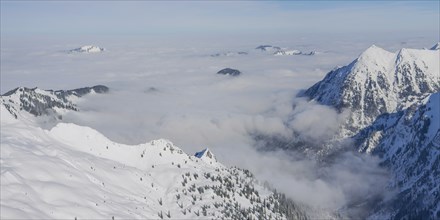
[(40, 102)]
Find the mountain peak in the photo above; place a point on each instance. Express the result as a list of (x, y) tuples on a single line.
[(375, 53), (374, 48), (206, 155)]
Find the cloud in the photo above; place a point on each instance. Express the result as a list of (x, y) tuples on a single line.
[(314, 121)]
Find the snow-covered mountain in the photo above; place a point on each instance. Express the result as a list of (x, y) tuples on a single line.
[(394, 105), (87, 49), (265, 49), (378, 82), (408, 142), (45, 102)]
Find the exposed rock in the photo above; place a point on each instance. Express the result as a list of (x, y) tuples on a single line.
[(229, 71)]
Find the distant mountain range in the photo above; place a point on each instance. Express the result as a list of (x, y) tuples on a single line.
[(266, 49)]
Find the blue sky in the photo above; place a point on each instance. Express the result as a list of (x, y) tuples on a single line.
[(184, 17)]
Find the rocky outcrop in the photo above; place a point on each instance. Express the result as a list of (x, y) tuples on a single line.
[(229, 71)]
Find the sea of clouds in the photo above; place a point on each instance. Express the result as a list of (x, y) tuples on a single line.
[(168, 88)]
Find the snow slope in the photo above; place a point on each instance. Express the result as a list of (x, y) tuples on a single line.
[(408, 142), (71, 172)]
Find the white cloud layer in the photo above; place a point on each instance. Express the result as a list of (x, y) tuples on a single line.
[(169, 89)]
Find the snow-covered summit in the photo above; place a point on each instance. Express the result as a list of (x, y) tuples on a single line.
[(374, 56), (378, 82), (88, 49)]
